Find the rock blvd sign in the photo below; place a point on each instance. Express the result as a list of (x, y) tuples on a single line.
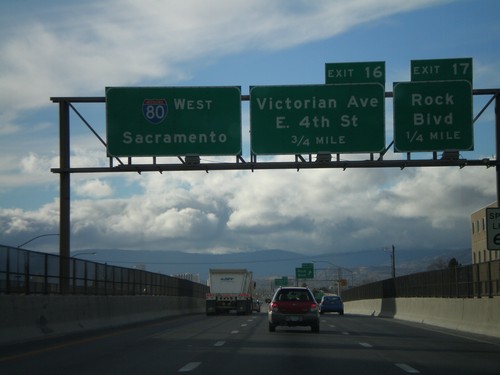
[(308, 119), (173, 121), (433, 116)]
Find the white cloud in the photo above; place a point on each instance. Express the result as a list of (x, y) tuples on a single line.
[(80, 50), (94, 188), (18, 222), (309, 211)]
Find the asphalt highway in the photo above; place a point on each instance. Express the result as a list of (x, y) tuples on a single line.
[(233, 344)]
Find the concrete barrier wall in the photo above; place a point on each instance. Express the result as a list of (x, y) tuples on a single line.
[(27, 317), (474, 315)]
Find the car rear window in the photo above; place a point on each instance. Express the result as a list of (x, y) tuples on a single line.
[(331, 299), (293, 295)]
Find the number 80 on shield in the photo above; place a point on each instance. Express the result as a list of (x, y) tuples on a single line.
[(154, 110)]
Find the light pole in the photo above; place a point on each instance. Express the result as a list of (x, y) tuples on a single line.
[(34, 238), (393, 261)]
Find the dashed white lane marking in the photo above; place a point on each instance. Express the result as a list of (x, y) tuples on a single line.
[(365, 345), (219, 343), (345, 333), (406, 368), (331, 325), (244, 325), (234, 332), (190, 367)]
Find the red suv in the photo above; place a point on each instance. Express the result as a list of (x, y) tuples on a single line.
[(293, 306)]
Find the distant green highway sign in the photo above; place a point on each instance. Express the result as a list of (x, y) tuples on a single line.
[(303, 119), (281, 282), (355, 72), (173, 121), (304, 273), (433, 116), (442, 70)]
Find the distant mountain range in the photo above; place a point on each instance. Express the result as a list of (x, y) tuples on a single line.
[(268, 264)]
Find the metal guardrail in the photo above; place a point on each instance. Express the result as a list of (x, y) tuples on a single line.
[(29, 272), (475, 280)]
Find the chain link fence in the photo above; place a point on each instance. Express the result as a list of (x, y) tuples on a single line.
[(475, 280), (30, 272)]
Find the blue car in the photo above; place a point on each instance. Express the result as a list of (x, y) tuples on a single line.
[(331, 304)]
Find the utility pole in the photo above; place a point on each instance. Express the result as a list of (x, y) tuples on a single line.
[(393, 262)]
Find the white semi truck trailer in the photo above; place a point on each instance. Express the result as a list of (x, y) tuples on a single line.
[(230, 289)]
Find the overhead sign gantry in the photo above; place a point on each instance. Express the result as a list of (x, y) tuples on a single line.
[(346, 115)]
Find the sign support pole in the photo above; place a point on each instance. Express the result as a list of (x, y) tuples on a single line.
[(497, 142), (64, 196)]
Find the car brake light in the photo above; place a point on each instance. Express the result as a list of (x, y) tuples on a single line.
[(273, 306), (314, 307)]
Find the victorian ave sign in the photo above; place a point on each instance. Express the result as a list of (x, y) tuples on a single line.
[(305, 119)]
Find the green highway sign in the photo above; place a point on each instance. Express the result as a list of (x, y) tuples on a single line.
[(281, 282), (307, 265), (308, 119), (304, 273), (173, 121), (433, 116), (442, 70), (356, 72)]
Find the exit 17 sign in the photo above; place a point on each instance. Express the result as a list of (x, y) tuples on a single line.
[(442, 70)]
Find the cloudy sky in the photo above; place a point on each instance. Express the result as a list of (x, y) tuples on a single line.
[(74, 48)]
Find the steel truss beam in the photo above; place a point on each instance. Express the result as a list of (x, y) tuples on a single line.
[(298, 165)]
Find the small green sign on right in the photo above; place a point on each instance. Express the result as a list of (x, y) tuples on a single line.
[(433, 112)]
